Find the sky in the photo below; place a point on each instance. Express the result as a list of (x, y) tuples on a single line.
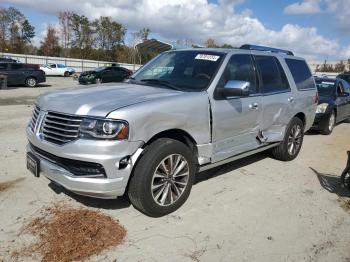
[(314, 29)]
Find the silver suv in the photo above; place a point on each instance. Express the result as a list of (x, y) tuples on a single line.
[(183, 112)]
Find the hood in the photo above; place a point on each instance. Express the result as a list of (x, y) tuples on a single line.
[(101, 100)]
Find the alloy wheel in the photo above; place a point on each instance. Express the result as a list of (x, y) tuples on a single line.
[(31, 82), (170, 180), (331, 122), (294, 140)]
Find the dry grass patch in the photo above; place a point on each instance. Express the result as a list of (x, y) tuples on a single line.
[(70, 234)]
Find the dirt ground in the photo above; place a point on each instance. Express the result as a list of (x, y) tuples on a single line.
[(255, 209)]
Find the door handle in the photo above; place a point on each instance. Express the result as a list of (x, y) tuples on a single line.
[(291, 99), (253, 106)]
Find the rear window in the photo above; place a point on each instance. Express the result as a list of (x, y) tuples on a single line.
[(272, 74), (301, 74)]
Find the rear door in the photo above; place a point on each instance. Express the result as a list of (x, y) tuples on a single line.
[(236, 120), (118, 74), (277, 97), (107, 75)]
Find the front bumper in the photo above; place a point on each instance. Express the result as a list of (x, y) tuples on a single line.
[(321, 121), (106, 153)]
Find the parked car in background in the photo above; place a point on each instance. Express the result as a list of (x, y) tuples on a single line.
[(345, 76), (57, 70), (104, 74), (334, 104), (183, 112), (22, 74)]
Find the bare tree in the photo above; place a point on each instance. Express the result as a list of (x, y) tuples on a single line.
[(65, 26)]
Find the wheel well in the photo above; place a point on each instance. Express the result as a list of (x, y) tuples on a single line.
[(177, 134), (31, 77), (302, 117)]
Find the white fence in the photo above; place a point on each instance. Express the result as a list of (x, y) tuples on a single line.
[(79, 65)]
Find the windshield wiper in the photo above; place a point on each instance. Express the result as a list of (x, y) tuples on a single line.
[(161, 82)]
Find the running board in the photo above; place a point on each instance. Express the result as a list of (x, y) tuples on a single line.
[(236, 157)]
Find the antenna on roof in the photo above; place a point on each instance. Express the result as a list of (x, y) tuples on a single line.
[(266, 48)]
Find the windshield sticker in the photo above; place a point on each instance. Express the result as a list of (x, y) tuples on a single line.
[(328, 83), (213, 58)]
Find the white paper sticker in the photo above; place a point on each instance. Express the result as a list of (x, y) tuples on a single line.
[(213, 58), (328, 83)]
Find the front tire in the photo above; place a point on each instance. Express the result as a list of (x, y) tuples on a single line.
[(163, 178), (293, 140), (31, 82), (66, 74), (328, 128)]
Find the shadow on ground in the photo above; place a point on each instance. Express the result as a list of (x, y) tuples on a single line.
[(332, 184), (124, 202), (211, 173), (22, 86)]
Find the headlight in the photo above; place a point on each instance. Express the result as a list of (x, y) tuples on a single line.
[(108, 129), (321, 108)]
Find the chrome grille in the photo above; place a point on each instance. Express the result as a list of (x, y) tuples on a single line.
[(60, 128), (34, 119)]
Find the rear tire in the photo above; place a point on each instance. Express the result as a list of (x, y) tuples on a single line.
[(31, 82), (328, 129), (293, 140), (162, 178)]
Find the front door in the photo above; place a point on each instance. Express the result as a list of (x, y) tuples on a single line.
[(107, 75), (236, 120)]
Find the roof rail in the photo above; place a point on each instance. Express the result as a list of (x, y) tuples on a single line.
[(266, 48)]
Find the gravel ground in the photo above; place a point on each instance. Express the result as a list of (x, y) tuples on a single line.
[(255, 209)]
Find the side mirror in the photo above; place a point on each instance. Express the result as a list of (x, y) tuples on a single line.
[(235, 88)]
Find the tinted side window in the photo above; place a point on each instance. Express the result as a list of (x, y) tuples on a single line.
[(240, 67), (272, 74), (53, 66), (301, 74)]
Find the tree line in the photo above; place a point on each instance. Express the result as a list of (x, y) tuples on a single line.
[(339, 67), (75, 36)]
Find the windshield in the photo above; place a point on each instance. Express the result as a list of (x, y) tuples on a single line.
[(181, 70), (325, 87)]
